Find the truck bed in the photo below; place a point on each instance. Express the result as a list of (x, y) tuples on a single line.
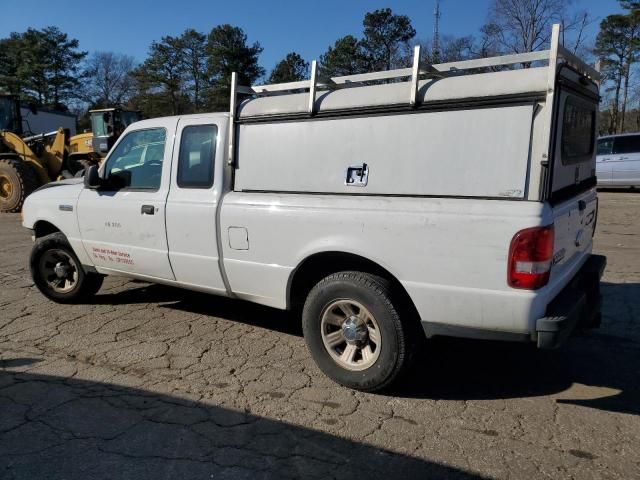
[(449, 254)]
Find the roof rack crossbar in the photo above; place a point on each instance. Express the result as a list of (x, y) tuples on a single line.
[(493, 61), (277, 87), (368, 77)]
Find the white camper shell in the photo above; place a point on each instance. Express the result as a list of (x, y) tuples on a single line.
[(454, 199)]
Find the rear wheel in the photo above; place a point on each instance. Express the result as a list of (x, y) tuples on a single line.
[(57, 272), (17, 181), (354, 331)]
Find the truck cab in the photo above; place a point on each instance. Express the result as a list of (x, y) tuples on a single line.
[(153, 214)]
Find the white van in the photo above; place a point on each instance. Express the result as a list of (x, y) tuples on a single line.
[(618, 160), (454, 200)]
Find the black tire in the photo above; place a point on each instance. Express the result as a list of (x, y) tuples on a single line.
[(85, 284), (17, 181), (376, 295)]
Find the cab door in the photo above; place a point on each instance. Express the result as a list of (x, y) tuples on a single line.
[(122, 223), (196, 184)]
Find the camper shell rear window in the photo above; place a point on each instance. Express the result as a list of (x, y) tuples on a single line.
[(578, 131)]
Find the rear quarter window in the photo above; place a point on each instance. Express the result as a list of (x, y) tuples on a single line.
[(578, 131)]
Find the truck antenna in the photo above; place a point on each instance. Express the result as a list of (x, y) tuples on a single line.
[(435, 49)]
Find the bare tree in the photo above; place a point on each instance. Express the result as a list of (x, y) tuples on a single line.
[(579, 23), (525, 25), (108, 79), (452, 49), (489, 43)]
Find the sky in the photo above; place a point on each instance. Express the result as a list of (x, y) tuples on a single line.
[(307, 27)]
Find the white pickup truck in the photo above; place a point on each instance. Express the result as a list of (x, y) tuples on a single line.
[(458, 199)]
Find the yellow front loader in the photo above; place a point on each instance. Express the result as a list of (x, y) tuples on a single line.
[(29, 162)]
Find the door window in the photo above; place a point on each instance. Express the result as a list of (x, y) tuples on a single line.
[(197, 154), (136, 162), (605, 146), (627, 144)]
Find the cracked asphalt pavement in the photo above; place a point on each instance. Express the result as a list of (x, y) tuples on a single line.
[(152, 382)]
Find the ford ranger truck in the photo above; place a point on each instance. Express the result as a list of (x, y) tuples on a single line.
[(457, 199)]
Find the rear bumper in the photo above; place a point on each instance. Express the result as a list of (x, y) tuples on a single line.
[(578, 304)]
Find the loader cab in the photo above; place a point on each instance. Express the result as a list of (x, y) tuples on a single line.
[(107, 125), (10, 119)]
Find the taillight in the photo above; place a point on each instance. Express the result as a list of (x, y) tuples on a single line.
[(530, 258)]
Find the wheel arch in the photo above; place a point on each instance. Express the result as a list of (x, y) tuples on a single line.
[(42, 228), (321, 264)]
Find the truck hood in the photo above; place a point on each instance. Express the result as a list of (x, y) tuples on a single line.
[(60, 183), (51, 201)]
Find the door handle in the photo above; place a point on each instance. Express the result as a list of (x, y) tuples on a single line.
[(147, 210)]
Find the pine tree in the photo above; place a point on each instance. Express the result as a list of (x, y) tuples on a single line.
[(292, 68)]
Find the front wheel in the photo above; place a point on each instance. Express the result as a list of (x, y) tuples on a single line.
[(354, 331), (57, 272)]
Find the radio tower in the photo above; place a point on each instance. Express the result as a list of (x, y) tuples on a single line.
[(435, 49)]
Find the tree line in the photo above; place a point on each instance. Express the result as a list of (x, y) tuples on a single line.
[(618, 49), (191, 72)]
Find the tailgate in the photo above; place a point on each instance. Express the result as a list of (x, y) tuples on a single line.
[(574, 224)]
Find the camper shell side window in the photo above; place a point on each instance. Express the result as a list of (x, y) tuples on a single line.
[(578, 131)]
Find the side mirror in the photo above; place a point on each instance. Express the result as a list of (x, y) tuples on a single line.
[(92, 179)]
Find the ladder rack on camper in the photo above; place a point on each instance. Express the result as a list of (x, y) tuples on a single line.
[(555, 54)]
